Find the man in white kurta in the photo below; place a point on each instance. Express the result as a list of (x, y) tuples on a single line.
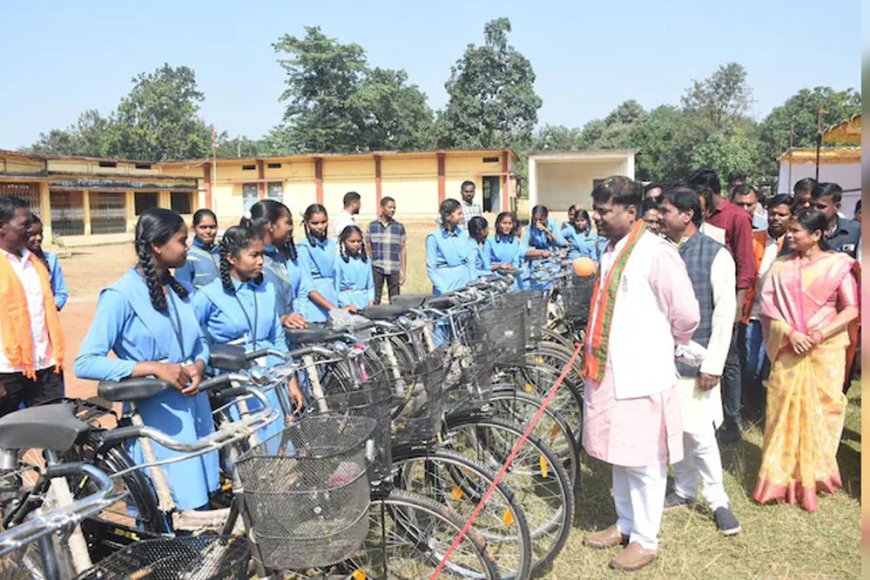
[(712, 272), (644, 306)]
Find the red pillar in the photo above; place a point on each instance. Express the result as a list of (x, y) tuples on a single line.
[(261, 178), (318, 178), (378, 182), (442, 180), (505, 179), (206, 173)]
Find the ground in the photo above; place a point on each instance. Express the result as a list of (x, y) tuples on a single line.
[(779, 541)]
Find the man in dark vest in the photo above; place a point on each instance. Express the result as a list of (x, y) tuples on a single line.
[(712, 272)]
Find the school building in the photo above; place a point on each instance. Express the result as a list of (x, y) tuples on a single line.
[(91, 200)]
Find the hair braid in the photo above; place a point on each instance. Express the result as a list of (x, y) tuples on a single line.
[(225, 269), (291, 249), (155, 288)]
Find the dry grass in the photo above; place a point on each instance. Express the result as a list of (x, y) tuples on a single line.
[(779, 541)]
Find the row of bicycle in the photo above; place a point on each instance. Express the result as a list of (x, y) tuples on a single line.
[(412, 409)]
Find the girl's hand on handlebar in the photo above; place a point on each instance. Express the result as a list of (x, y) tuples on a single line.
[(195, 372), (294, 320), (174, 374), (296, 396), (352, 309)]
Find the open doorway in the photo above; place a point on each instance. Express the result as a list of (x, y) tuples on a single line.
[(492, 194)]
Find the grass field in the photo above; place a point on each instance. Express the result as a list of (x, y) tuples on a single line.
[(779, 541)]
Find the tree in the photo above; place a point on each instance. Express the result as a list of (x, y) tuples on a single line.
[(491, 95), (801, 111), (725, 94), (659, 138), (730, 149), (557, 138), (159, 118), (240, 146), (91, 135)]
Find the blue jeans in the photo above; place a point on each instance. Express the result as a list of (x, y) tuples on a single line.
[(755, 369)]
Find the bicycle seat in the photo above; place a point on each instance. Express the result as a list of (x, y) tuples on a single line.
[(385, 311), (312, 335), (409, 300), (227, 357), (52, 427), (132, 389)]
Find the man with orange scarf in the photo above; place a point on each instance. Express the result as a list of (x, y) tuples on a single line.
[(643, 306), (33, 346)]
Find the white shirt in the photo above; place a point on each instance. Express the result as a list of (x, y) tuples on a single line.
[(723, 278), (771, 249), (714, 232), (29, 277), (344, 219)]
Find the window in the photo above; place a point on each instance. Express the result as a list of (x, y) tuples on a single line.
[(491, 159), (108, 213), (67, 213), (108, 164), (275, 190), (29, 192), (249, 195), (182, 202), (145, 201), (274, 166), (143, 166), (248, 167)]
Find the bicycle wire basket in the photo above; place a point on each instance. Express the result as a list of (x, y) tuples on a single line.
[(203, 557), (306, 492), (469, 380), (576, 297), (418, 404), (502, 326), (536, 306), (372, 400)]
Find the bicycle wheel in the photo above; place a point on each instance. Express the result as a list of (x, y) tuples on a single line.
[(537, 377), (459, 483), (539, 482), (519, 408), (408, 537)]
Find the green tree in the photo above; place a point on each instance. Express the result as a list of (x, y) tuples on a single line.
[(732, 148), (492, 100), (90, 135), (662, 155), (557, 138), (159, 119), (800, 111), (240, 146), (725, 94)]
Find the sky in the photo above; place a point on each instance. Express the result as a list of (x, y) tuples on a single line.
[(62, 58)]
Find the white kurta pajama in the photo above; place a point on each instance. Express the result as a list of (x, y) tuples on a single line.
[(702, 410), (632, 418)]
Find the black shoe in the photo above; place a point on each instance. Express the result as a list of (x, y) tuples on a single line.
[(674, 500), (726, 522), (730, 435)]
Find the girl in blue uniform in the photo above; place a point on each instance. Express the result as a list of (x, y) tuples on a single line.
[(282, 265), (478, 230), (240, 308), (543, 239), (505, 250), (204, 255), (147, 320), (354, 284), (52, 264), (581, 240), (447, 255), (318, 252)]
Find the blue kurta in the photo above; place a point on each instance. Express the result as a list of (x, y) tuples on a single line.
[(508, 250), (291, 280), (448, 260), (320, 261), (582, 245), (126, 324), (58, 285), (354, 283), (203, 265), (538, 240), (223, 320), (479, 262)]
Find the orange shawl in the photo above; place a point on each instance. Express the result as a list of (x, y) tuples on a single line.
[(15, 318)]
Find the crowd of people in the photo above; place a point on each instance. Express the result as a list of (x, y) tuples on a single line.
[(748, 306)]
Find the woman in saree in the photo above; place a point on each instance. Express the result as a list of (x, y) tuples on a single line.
[(808, 300)]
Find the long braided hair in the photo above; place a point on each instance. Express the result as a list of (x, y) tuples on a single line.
[(235, 239), (345, 234), (311, 211), (157, 226), (37, 250), (266, 212)]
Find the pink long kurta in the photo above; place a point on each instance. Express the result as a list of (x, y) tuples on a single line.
[(645, 430)]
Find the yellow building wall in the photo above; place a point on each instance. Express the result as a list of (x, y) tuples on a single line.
[(343, 175), (19, 165), (413, 183)]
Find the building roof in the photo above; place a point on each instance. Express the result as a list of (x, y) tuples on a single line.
[(847, 132), (826, 155), (584, 154), (26, 155)]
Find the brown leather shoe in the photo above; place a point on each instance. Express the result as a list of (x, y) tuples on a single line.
[(633, 557), (606, 538)]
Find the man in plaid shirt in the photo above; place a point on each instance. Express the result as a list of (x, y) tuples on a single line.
[(385, 240), (469, 208)]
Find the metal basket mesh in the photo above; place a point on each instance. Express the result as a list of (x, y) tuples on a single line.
[(373, 400), (469, 381), (576, 296), (305, 491), (418, 403), (503, 327), (194, 558), (536, 313)]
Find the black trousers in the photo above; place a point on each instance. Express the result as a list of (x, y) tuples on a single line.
[(20, 389), (392, 281), (732, 381)]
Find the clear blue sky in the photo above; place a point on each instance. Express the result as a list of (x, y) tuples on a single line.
[(60, 58)]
